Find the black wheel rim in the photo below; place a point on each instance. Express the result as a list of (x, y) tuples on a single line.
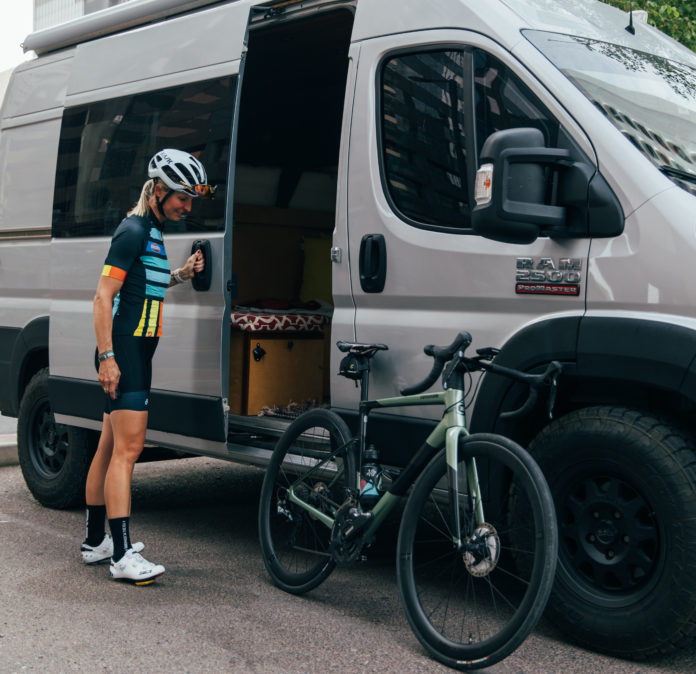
[(48, 442), (610, 542)]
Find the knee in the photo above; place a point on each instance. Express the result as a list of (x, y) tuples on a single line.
[(127, 452)]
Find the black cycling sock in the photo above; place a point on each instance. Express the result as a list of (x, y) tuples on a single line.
[(95, 524), (120, 533)]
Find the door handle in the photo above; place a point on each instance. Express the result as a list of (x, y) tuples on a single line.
[(201, 280), (373, 263)]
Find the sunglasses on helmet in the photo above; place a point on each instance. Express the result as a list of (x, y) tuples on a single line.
[(205, 191)]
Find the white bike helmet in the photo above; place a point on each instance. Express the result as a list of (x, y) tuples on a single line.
[(181, 172)]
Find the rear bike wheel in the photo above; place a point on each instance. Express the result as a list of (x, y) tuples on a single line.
[(472, 608), (294, 542)]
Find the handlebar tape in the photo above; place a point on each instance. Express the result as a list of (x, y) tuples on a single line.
[(441, 354)]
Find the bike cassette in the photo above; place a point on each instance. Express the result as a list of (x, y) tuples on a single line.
[(346, 541), (482, 550)]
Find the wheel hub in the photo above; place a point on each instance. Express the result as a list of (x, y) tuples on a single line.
[(607, 537), (608, 533), (48, 445)]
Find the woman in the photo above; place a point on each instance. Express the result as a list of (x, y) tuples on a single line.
[(128, 324)]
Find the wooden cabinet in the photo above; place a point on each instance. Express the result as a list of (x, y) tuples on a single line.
[(273, 370)]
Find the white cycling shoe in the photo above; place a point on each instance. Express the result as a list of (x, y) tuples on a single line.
[(103, 551), (134, 568)]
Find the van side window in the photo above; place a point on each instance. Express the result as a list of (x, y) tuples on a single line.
[(104, 148), (423, 148), (502, 101), (437, 109)]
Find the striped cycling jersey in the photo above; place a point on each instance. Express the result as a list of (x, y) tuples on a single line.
[(138, 258)]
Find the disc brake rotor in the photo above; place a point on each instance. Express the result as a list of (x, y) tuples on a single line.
[(483, 551)]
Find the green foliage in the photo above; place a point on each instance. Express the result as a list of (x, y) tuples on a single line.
[(678, 22)]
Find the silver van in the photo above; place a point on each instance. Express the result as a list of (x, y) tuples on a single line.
[(391, 171)]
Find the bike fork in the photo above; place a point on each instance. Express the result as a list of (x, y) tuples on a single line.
[(456, 429)]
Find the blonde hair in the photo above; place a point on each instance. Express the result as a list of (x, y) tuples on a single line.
[(143, 204)]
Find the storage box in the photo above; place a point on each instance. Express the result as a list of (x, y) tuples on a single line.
[(273, 370)]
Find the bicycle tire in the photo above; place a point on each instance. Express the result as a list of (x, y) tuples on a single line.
[(294, 544), (469, 621)]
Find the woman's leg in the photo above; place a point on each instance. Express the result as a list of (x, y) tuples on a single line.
[(94, 489), (96, 548), (129, 437), (128, 428)]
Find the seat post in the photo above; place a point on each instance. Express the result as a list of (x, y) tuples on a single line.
[(365, 383)]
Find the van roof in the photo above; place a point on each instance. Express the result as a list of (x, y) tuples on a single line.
[(111, 20), (501, 19)]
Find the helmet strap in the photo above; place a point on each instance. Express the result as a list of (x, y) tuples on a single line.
[(160, 202)]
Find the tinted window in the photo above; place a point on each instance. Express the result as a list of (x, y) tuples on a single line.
[(427, 126), (423, 137), (502, 101), (105, 146)]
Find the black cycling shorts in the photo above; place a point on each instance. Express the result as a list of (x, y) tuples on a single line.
[(134, 359)]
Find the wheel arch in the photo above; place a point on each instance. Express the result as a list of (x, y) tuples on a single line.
[(29, 355), (625, 361)]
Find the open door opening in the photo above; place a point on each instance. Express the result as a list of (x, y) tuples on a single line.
[(285, 194)]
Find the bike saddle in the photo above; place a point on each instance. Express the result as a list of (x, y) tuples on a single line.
[(358, 349)]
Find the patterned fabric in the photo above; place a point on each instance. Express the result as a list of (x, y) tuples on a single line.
[(278, 322), (138, 258)]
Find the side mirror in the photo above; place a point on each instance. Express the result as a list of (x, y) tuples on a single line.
[(511, 187), (516, 176)]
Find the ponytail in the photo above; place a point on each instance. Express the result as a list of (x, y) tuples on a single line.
[(143, 204)]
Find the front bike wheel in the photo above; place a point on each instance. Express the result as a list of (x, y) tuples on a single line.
[(472, 606), (314, 456)]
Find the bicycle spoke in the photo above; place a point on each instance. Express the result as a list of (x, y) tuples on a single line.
[(474, 602), (310, 460)]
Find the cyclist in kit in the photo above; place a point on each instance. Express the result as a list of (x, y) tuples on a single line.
[(128, 324)]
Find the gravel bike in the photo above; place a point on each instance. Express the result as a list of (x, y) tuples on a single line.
[(477, 542)]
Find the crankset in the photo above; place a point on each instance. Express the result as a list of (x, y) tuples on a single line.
[(346, 540)]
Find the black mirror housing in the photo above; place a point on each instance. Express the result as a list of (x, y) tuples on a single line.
[(516, 211), (515, 208)]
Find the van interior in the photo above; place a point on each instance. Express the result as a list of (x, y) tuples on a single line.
[(284, 211)]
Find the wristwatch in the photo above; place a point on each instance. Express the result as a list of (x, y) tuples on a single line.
[(104, 355)]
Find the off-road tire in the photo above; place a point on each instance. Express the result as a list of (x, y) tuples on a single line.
[(54, 457), (624, 487)]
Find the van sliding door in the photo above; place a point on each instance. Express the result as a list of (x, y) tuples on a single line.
[(169, 84)]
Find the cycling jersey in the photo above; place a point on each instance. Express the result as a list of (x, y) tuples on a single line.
[(138, 258)]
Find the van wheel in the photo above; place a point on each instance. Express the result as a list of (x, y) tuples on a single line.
[(54, 457), (624, 485)]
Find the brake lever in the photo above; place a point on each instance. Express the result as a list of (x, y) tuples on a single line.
[(552, 396), (487, 353), (553, 386)]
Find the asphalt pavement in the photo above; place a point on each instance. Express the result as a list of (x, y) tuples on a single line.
[(215, 609)]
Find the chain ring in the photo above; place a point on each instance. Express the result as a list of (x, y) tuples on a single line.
[(345, 549)]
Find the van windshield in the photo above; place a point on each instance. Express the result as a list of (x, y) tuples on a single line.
[(649, 98)]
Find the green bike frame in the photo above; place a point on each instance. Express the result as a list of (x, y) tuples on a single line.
[(447, 433)]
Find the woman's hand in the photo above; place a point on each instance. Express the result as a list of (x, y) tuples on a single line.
[(196, 263), (109, 376)]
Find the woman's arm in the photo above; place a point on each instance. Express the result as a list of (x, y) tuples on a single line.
[(196, 263), (109, 373)]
